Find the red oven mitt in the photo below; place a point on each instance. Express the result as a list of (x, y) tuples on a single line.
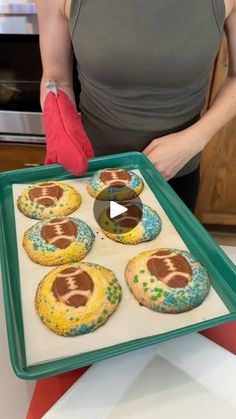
[(67, 141)]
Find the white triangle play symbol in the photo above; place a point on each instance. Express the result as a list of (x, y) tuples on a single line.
[(116, 209)]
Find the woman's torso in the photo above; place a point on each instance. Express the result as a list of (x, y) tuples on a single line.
[(143, 67)]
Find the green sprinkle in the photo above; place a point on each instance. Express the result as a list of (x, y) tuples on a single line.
[(135, 279), (144, 284), (100, 319), (182, 299), (142, 271), (154, 298)]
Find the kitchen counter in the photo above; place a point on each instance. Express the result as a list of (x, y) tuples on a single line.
[(187, 377)]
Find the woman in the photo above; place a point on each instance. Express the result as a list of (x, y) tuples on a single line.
[(143, 69)]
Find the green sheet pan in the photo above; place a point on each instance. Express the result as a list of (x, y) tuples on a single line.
[(221, 270)]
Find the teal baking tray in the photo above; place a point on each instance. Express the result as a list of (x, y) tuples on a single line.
[(221, 270)]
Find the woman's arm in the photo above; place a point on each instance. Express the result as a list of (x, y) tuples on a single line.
[(55, 46), (223, 107), (170, 153)]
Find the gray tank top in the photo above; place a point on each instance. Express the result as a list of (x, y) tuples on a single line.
[(143, 67)]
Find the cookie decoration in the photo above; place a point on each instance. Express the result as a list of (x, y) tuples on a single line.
[(115, 177), (60, 231), (78, 298), (171, 268), (128, 219), (115, 184), (46, 199), (167, 280), (73, 287), (46, 194), (140, 223), (56, 241)]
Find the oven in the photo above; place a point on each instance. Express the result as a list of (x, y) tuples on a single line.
[(22, 139)]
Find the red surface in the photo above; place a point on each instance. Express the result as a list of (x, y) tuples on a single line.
[(224, 335), (49, 390)]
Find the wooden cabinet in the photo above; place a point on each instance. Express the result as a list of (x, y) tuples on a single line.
[(20, 156), (217, 197)]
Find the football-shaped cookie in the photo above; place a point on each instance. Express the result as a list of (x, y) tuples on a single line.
[(77, 298), (115, 177), (128, 219), (47, 199), (55, 241), (46, 193), (140, 223), (115, 184), (60, 231), (167, 280), (171, 268), (73, 287)]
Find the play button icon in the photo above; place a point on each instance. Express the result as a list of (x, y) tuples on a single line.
[(117, 216), (116, 209)]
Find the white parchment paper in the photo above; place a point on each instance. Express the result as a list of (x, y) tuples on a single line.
[(130, 321)]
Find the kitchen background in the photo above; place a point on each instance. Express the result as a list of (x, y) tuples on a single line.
[(22, 141)]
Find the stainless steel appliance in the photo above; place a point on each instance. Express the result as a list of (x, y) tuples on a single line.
[(22, 139), (20, 73)]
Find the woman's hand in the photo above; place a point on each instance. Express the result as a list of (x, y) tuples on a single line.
[(171, 152)]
